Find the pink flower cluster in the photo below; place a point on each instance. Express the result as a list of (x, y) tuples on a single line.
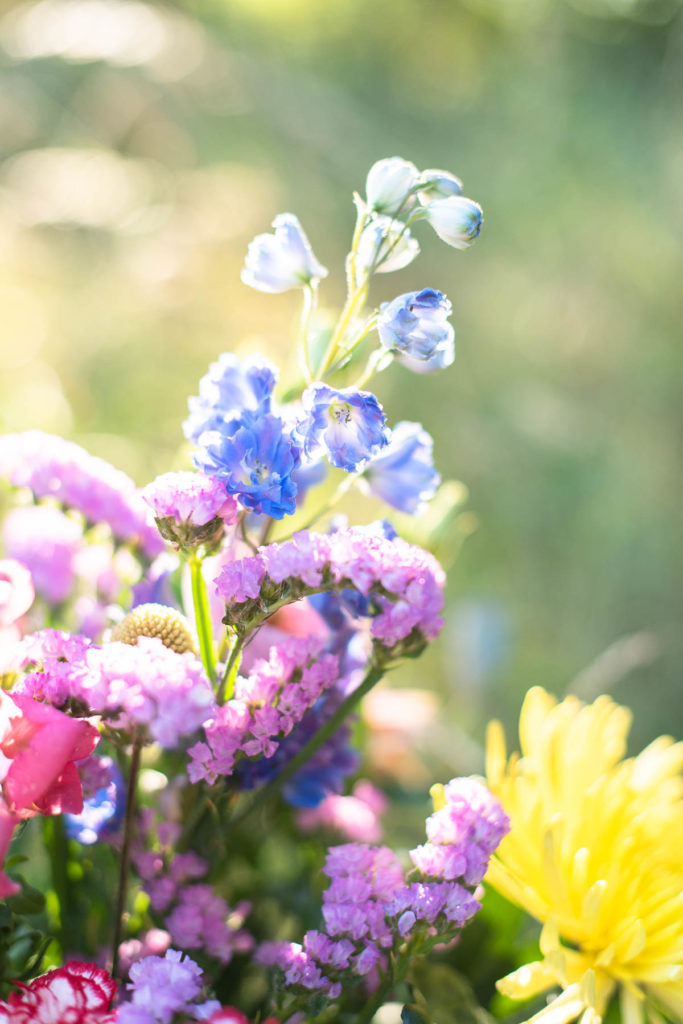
[(190, 498), (54, 468), (146, 687), (16, 597), (463, 834), (369, 908), (405, 582), (266, 706), (356, 817), (199, 918)]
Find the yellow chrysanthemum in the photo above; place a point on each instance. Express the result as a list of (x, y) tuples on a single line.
[(595, 852)]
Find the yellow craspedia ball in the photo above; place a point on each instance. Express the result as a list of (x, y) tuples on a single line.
[(156, 620)]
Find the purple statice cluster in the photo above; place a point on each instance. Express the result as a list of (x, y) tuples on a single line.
[(51, 467), (147, 689), (324, 773), (162, 987), (194, 914), (370, 910), (404, 582), (265, 708)]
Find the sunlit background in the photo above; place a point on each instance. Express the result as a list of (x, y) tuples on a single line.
[(143, 144)]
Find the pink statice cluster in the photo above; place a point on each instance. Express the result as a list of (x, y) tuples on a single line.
[(146, 688), (266, 706), (463, 833), (370, 909), (404, 582), (196, 917), (51, 467), (356, 816), (161, 987), (190, 498)]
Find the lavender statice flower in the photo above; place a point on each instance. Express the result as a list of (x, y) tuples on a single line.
[(162, 987), (201, 919), (414, 326), (456, 220), (144, 687), (389, 185), (254, 458), (385, 245), (265, 708), (403, 475), (51, 467), (46, 541), (231, 387), (282, 260), (348, 559), (467, 825), (103, 810), (323, 774), (347, 424)]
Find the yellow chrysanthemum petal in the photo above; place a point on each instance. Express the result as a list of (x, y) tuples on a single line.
[(594, 854)]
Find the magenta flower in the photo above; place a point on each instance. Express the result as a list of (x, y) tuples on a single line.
[(41, 745)]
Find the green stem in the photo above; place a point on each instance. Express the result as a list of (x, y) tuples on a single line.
[(124, 868), (227, 687), (310, 295), (202, 615), (378, 999), (374, 674)]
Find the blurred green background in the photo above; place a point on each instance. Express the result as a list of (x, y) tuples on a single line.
[(143, 145)]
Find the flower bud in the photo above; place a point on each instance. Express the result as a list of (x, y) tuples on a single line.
[(438, 185), (155, 620), (456, 220), (389, 184), (282, 260)]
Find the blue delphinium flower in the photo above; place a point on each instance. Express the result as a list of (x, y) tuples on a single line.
[(103, 812), (403, 475), (230, 387), (348, 424), (456, 220), (385, 245), (254, 457), (415, 327), (283, 260), (389, 184)]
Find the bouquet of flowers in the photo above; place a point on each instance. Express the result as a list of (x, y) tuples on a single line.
[(181, 668)]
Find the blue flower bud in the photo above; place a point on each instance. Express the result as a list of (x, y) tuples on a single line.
[(389, 184), (438, 185), (403, 475), (456, 220), (254, 457), (283, 260), (414, 326), (386, 245), (348, 425)]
